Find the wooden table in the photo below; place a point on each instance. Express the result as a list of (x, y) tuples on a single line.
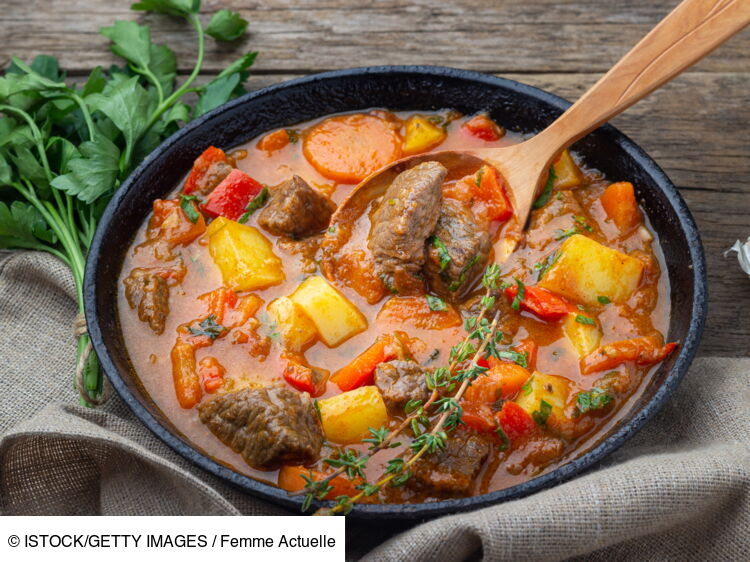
[(697, 127)]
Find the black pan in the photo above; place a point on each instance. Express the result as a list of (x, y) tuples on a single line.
[(516, 106)]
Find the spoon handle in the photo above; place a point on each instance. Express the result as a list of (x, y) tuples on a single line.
[(687, 34)]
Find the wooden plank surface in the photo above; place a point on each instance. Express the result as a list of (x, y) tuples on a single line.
[(697, 128)]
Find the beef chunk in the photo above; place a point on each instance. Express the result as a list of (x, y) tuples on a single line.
[(405, 218), (268, 427), (457, 236), (212, 177), (295, 209), (453, 470), (148, 291), (401, 381)]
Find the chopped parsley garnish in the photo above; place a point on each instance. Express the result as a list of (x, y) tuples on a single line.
[(595, 399), (461, 277), (444, 257), (541, 201), (526, 388), (542, 414), (436, 119), (603, 300), (543, 266), (480, 173), (436, 303), (504, 440), (516, 357), (257, 202), (293, 135), (581, 319), (581, 221), (563, 234), (187, 204), (520, 295), (208, 327)]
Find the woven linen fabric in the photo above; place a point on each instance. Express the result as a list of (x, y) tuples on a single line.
[(679, 489)]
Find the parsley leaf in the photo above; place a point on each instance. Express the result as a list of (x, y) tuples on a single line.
[(208, 327), (256, 203), (581, 319), (480, 173), (444, 257), (226, 25), (22, 226), (544, 266), (594, 399), (520, 295), (516, 357), (542, 414), (93, 173), (462, 276), (171, 7), (603, 299), (563, 234), (188, 207), (436, 303), (546, 193)]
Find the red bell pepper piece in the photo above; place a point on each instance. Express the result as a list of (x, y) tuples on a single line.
[(202, 167), (540, 302), (481, 126), (211, 373), (304, 378), (514, 420), (230, 198), (645, 350), (479, 418)]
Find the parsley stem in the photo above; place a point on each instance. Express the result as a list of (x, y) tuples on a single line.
[(183, 89), (35, 132)]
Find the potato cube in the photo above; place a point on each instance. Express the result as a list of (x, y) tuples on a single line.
[(294, 325), (347, 416), (421, 135), (567, 172), (584, 336), (586, 270), (553, 389), (335, 317), (243, 255)]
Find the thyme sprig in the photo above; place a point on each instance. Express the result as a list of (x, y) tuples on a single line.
[(443, 379)]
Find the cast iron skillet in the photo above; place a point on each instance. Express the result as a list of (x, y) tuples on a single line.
[(516, 106)]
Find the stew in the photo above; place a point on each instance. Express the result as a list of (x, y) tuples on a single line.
[(284, 344)]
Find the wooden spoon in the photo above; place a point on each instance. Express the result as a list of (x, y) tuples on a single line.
[(691, 31)]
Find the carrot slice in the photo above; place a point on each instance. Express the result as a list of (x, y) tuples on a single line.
[(187, 384), (274, 141), (348, 148), (361, 370), (620, 205), (415, 312), (500, 382)]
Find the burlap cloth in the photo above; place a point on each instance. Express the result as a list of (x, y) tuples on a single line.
[(680, 489)]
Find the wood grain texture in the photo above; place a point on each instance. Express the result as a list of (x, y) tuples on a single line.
[(697, 127)]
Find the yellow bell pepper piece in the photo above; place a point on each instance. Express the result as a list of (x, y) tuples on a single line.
[(347, 416), (421, 135), (243, 255), (334, 316)]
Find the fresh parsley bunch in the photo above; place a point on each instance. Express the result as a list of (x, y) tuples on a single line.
[(65, 148)]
